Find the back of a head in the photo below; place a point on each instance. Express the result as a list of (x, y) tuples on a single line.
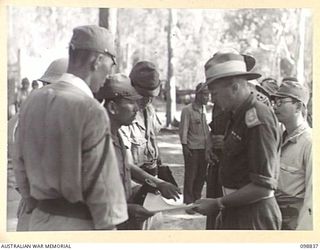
[(54, 71), (25, 82), (201, 87)]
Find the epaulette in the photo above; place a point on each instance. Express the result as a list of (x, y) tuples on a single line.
[(262, 98), (251, 118)]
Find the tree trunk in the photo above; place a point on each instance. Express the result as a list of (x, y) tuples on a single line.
[(171, 81), (108, 18), (301, 37)]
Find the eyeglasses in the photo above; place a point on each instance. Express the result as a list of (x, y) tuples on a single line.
[(279, 102), (113, 58)]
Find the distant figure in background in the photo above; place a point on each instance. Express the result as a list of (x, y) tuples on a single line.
[(294, 192), (22, 93), (193, 132), (57, 68), (34, 85), (65, 162)]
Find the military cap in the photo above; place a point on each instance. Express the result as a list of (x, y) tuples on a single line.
[(94, 38), (145, 78), (268, 86), (117, 85), (294, 89)]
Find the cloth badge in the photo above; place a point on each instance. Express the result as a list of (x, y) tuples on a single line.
[(251, 118)]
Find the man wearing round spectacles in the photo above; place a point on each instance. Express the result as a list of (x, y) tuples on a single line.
[(294, 192)]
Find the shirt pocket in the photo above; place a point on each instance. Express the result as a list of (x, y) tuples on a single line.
[(291, 179), (291, 169)]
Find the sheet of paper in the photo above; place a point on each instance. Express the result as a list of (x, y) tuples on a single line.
[(157, 203)]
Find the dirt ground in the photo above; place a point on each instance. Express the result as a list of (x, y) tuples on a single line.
[(171, 154)]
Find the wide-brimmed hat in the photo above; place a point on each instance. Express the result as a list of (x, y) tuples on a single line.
[(55, 70), (94, 38), (229, 64), (294, 89), (268, 86), (117, 85), (145, 79)]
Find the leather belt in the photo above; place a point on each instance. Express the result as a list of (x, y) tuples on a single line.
[(62, 207), (227, 191)]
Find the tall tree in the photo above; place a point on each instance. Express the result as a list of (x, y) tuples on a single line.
[(171, 82), (301, 44), (108, 18)]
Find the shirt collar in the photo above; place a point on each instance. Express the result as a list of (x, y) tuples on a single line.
[(139, 119), (296, 133), (77, 82), (197, 107)]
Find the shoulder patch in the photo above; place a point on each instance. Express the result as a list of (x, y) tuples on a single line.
[(251, 118)]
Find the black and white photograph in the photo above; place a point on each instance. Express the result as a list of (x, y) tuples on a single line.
[(159, 119)]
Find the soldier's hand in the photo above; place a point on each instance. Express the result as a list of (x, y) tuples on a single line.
[(186, 150), (211, 157), (138, 212), (217, 141), (169, 190), (206, 206)]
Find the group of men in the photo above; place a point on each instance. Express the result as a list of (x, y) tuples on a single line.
[(73, 168), (258, 149), (84, 145)]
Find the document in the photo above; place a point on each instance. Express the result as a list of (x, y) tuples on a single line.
[(157, 203)]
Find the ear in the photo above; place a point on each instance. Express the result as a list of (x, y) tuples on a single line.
[(112, 108), (299, 107), (95, 63)]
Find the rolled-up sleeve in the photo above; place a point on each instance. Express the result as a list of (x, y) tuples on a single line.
[(264, 155)]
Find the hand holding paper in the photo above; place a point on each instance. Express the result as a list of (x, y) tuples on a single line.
[(206, 206), (169, 190), (157, 203)]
